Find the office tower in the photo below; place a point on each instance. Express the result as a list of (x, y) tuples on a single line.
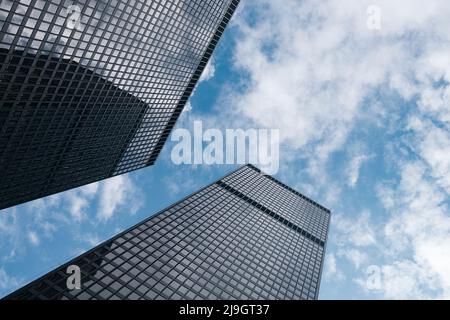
[(91, 89), (245, 236)]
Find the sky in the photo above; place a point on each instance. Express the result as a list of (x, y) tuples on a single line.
[(359, 91)]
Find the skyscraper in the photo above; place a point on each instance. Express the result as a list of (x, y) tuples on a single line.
[(245, 236), (92, 89)]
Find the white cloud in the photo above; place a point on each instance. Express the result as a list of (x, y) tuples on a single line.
[(331, 272), (420, 224), (115, 192), (33, 237), (6, 282), (90, 189), (312, 66), (207, 74), (209, 71), (188, 106), (402, 279), (40, 222), (432, 143), (354, 232), (10, 232), (77, 205), (354, 167), (351, 239), (110, 195), (435, 102), (79, 200), (91, 239), (356, 256)]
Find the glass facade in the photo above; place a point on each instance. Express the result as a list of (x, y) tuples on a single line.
[(246, 236), (90, 89)]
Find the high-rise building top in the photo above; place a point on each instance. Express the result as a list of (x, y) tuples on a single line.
[(90, 89), (246, 236), (275, 196)]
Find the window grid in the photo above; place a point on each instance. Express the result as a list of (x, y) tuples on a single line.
[(82, 105), (211, 245)]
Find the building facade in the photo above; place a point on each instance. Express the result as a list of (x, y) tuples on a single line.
[(91, 89), (245, 236)]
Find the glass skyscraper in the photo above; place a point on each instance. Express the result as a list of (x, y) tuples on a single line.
[(245, 236), (91, 89)]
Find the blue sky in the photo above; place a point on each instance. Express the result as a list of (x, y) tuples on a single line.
[(364, 120)]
